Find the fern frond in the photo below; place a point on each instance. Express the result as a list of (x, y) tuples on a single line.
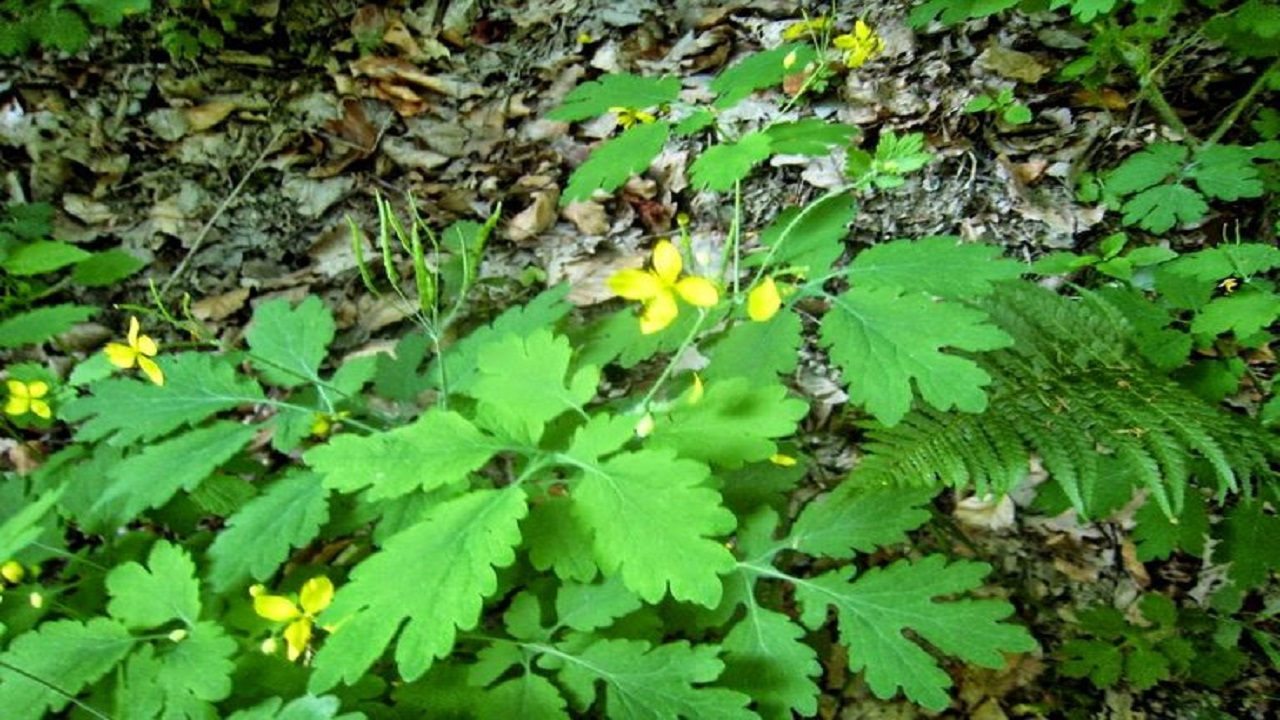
[(1071, 390)]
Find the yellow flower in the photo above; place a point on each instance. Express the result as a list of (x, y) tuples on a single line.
[(811, 26), (315, 596), (658, 288), (763, 302), (859, 45), (25, 397), (12, 572), (782, 460), (139, 351), (322, 423), (630, 116)]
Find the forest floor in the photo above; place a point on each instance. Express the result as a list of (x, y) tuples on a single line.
[(238, 174)]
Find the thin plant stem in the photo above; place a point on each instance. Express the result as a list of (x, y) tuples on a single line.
[(222, 208), (1234, 114)]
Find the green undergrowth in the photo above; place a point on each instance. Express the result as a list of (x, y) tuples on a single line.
[(488, 522)]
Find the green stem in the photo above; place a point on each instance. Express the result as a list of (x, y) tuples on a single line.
[(666, 371), (1242, 103)]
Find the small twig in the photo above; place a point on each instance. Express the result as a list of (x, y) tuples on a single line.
[(1242, 103), (226, 203)]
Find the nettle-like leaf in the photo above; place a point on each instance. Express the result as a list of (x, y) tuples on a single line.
[(1157, 535), (1243, 313), (874, 610), (1251, 542), (732, 424), (41, 324), (67, 655), (811, 238), (152, 477), (308, 707), (654, 522), (722, 166), (810, 136), (943, 266), (43, 256), (760, 70), (426, 583), (756, 351), (598, 97), (952, 12), (182, 679), (289, 343), (441, 447), (766, 657), (559, 540), (197, 385), (1147, 168), (23, 523), (1214, 264), (1160, 208), (167, 589), (617, 159), (1226, 172), (857, 519), (523, 383), (883, 340), (257, 539), (643, 682), (1085, 10)]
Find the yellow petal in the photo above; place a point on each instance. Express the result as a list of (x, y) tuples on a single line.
[(316, 594), (275, 608), (763, 301), (696, 392), (645, 426), (17, 388), (152, 370), (17, 405), (862, 30), (133, 332), (146, 345), (658, 313), (13, 572), (782, 460), (666, 262), (634, 284), (41, 409), (122, 356), (296, 636), (698, 291), (37, 389)]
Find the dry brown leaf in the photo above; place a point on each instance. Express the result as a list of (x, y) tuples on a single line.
[(588, 217), (1012, 64), (531, 221), (218, 307), (351, 137), (587, 277), (202, 117)]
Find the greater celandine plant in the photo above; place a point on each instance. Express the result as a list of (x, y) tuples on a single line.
[(471, 526)]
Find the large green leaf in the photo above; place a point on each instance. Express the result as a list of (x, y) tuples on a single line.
[(884, 341), (41, 324), (197, 385), (431, 579), (942, 266), (655, 521), (524, 382), (735, 422), (651, 683), (723, 165), (857, 519), (289, 343), (42, 669), (439, 448), (257, 539), (179, 680), (165, 590), (153, 476), (598, 97), (766, 657), (878, 607), (617, 159)]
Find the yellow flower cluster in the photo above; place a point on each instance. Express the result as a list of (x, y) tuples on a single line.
[(139, 351), (658, 288), (859, 46), (630, 116), (28, 397), (315, 596)]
